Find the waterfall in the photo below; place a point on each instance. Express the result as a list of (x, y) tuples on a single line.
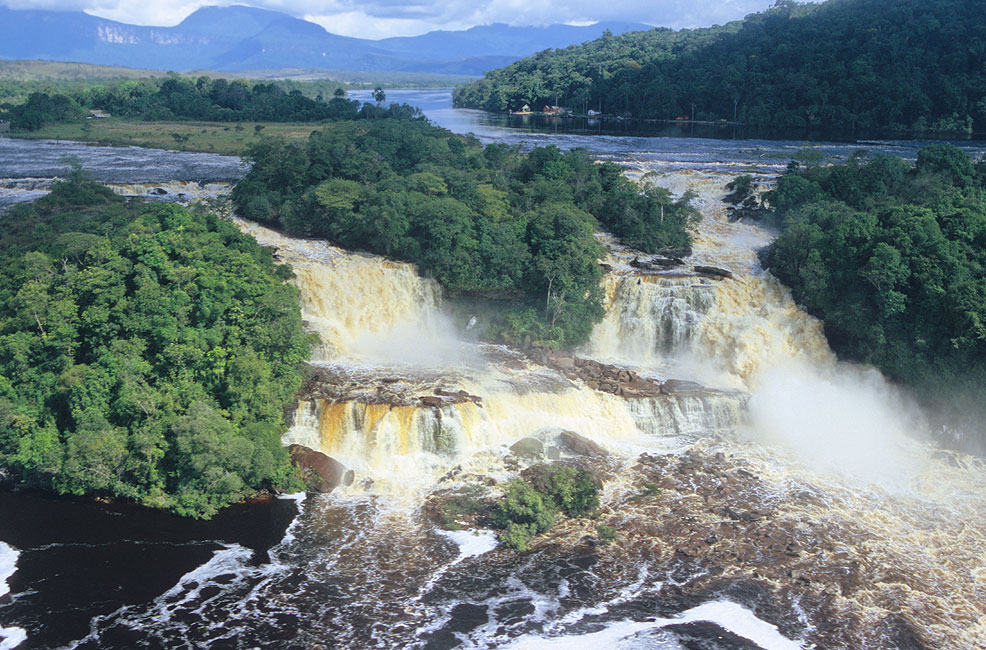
[(381, 324), (364, 308), (649, 318)]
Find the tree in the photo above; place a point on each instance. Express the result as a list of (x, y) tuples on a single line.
[(379, 96)]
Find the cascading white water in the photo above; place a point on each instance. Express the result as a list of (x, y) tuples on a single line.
[(10, 637), (649, 319), (365, 308), (374, 313)]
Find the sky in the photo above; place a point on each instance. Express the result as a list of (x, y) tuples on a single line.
[(383, 18)]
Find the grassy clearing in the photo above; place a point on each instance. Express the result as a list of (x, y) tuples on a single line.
[(211, 137), (32, 70)]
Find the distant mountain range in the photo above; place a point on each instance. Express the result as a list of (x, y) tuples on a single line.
[(244, 38)]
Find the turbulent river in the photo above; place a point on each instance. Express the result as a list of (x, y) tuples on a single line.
[(783, 500)]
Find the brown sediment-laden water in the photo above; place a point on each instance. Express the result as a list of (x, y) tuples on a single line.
[(764, 494)]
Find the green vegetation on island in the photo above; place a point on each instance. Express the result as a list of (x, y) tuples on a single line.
[(843, 64), (530, 505), (183, 98), (209, 137), (485, 222), (892, 257), (147, 352)]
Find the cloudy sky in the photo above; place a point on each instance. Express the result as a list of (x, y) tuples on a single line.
[(382, 18)]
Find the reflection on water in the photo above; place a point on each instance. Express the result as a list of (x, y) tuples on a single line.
[(686, 146)]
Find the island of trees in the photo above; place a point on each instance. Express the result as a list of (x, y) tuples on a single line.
[(843, 64), (184, 98), (487, 222), (892, 257), (147, 352)]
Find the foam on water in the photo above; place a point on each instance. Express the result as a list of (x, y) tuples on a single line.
[(289, 534), (471, 543), (10, 637), (727, 615)]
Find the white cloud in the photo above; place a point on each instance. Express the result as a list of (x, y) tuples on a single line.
[(381, 18)]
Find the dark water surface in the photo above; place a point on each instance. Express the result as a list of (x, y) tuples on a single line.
[(80, 559)]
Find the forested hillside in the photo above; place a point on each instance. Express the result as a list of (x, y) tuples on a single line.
[(843, 64), (146, 352), (486, 222), (892, 256)]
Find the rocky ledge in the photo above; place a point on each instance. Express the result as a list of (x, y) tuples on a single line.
[(608, 378), (331, 385)]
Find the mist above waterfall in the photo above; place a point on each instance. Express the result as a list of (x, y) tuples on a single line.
[(430, 343), (840, 418)]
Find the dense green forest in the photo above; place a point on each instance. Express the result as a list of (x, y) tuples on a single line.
[(146, 352), (487, 222), (892, 256), (183, 98), (843, 64)]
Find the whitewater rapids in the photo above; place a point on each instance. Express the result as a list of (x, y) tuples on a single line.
[(800, 486)]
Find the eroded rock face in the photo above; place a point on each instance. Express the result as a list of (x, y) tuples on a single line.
[(320, 472)]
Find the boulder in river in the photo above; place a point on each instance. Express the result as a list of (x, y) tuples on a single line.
[(320, 472), (656, 263), (673, 386), (580, 445), (528, 448), (713, 271)]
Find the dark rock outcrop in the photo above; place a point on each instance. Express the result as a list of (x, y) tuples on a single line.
[(713, 272), (656, 263), (673, 386), (528, 448), (600, 376), (321, 473), (580, 445)]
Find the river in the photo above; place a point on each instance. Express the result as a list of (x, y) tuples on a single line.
[(783, 501)]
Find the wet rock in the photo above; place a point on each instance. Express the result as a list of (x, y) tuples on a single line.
[(432, 401), (158, 191), (672, 386), (596, 375), (321, 473), (656, 263), (713, 271), (528, 448), (565, 363), (553, 453), (680, 252), (750, 515), (580, 445)]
